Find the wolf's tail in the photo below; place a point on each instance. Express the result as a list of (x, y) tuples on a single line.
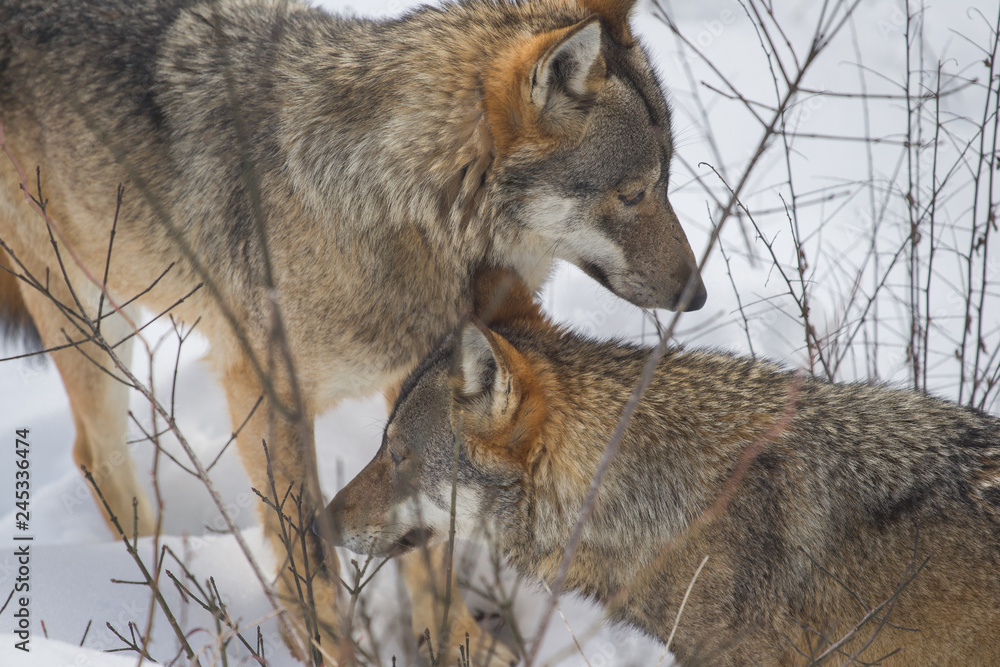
[(15, 321)]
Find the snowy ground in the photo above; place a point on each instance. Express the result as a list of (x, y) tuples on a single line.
[(74, 558)]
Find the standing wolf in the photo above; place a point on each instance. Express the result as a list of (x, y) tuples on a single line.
[(357, 174), (815, 503)]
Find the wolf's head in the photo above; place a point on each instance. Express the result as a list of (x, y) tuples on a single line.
[(402, 499), (583, 142), (472, 410)]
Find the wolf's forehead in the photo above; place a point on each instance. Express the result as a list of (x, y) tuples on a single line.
[(634, 71), (427, 396), (436, 362), (621, 142)]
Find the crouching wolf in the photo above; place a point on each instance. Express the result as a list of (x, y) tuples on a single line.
[(352, 175), (826, 511)]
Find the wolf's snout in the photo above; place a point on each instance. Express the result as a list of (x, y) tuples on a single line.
[(682, 285), (693, 295), (329, 524), (660, 269), (685, 293)]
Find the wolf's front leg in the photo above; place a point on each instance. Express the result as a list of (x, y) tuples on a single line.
[(308, 573), (99, 400), (425, 573)]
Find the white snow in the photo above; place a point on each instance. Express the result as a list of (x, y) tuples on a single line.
[(73, 556)]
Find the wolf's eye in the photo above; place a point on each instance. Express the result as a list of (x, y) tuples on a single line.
[(396, 458), (633, 199)]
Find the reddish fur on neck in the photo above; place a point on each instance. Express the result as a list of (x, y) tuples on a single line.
[(500, 297)]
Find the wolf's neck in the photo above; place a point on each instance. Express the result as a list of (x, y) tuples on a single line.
[(651, 490), (393, 110), (582, 411)]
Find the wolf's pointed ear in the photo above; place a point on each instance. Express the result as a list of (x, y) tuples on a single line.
[(571, 70), (480, 374), (541, 88), (614, 13), (499, 412)]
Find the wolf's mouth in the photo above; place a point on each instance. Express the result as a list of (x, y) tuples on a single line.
[(410, 540)]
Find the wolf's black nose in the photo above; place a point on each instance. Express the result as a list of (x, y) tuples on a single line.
[(698, 299)]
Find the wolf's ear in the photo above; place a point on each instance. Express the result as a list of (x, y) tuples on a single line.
[(481, 377), (541, 88), (497, 398), (570, 71), (614, 13)]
